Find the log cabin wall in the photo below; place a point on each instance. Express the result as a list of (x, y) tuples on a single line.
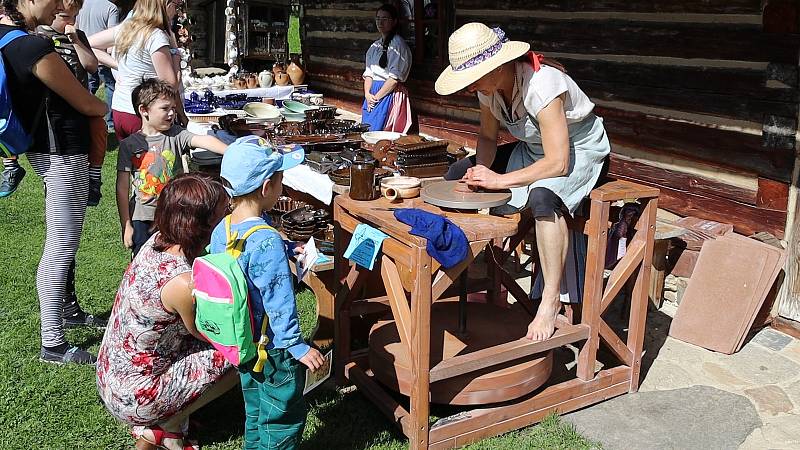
[(700, 98)]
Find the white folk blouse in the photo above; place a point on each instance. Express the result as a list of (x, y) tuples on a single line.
[(399, 60)]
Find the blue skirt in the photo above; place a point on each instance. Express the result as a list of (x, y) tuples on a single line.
[(377, 117)]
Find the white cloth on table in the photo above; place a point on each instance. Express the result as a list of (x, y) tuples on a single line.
[(398, 60), (276, 92), (302, 178)]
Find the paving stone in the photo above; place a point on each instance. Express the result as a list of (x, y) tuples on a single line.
[(772, 339), (771, 400), (780, 432), (724, 377), (760, 366), (699, 417)]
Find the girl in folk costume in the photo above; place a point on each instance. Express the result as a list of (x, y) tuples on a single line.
[(386, 105), (554, 166)]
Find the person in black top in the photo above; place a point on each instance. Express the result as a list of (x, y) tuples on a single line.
[(34, 69)]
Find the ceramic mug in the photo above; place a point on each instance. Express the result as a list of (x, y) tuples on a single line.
[(268, 100)]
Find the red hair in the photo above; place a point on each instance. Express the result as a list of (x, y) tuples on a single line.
[(186, 213)]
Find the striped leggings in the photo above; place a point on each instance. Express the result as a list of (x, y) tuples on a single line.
[(66, 187)]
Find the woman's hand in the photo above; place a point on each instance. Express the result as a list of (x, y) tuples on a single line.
[(484, 177), (372, 100)]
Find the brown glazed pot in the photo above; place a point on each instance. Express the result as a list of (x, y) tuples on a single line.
[(296, 72), (282, 79)]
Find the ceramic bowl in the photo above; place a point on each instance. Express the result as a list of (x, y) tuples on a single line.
[(292, 116), (372, 137), (262, 111), (296, 107), (396, 188)]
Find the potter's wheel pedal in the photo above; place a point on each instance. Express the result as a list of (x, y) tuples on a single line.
[(487, 326)]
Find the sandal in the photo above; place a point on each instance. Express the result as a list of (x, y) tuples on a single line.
[(159, 434)]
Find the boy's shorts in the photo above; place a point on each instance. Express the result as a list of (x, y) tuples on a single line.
[(142, 230)]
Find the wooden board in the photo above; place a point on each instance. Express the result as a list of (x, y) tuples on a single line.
[(724, 294)]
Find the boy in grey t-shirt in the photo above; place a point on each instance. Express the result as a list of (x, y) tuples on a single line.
[(148, 159)]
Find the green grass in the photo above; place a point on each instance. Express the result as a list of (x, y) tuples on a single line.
[(54, 407), (294, 35)]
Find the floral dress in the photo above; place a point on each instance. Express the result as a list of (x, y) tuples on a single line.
[(149, 366)]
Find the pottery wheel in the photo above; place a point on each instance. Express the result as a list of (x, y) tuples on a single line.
[(487, 326), (448, 194)]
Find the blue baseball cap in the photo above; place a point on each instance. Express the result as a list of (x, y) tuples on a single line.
[(250, 160)]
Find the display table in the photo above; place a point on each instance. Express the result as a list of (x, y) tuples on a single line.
[(276, 92), (416, 286)]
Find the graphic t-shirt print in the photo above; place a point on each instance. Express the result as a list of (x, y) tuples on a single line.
[(152, 170)]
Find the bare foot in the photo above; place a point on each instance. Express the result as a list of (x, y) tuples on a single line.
[(544, 324)]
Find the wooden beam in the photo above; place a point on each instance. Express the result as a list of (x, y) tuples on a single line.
[(615, 344), (452, 430), (499, 354), (703, 7), (622, 271), (450, 275), (397, 300), (378, 396)]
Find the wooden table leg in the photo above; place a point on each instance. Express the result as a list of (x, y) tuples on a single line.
[(324, 285), (658, 272), (636, 324), (420, 392)]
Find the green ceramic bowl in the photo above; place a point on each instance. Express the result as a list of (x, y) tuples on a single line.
[(296, 107)]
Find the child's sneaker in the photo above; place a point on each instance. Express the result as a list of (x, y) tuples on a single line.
[(84, 319), (94, 192), (73, 355), (10, 180)]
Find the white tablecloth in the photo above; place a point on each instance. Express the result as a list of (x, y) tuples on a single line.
[(276, 92)]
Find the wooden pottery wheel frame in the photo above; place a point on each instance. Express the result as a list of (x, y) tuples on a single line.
[(488, 326), (445, 194)]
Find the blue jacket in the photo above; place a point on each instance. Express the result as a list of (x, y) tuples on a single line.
[(265, 262)]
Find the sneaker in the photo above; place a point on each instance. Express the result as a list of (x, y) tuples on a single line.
[(10, 180), (83, 319), (73, 355), (94, 192)]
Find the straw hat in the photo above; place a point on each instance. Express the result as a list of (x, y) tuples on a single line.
[(475, 50)]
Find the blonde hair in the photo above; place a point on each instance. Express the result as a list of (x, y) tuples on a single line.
[(148, 16)]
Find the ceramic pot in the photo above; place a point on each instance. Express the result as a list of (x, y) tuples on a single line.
[(282, 79), (296, 72), (265, 79), (277, 68), (252, 81), (398, 188)]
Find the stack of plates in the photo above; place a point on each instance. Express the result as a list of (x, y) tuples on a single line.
[(302, 223), (258, 112)]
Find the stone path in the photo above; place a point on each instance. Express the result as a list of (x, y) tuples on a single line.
[(695, 398)]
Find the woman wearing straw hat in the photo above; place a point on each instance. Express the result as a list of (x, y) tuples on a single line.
[(557, 161), (388, 61)]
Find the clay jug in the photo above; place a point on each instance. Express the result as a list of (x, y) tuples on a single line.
[(282, 79), (277, 68), (265, 79), (296, 72), (252, 81)]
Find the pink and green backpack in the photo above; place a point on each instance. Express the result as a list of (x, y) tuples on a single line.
[(223, 311)]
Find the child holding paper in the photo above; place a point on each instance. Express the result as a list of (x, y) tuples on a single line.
[(275, 412)]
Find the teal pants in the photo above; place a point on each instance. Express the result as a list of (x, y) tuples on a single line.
[(275, 411)]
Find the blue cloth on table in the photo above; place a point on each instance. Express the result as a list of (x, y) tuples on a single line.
[(446, 241), (377, 117)]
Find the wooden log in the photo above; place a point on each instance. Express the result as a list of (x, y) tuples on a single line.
[(624, 166), (678, 40), (772, 194), (746, 219), (703, 7), (723, 147)]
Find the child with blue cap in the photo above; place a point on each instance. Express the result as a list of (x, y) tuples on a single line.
[(275, 412)]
